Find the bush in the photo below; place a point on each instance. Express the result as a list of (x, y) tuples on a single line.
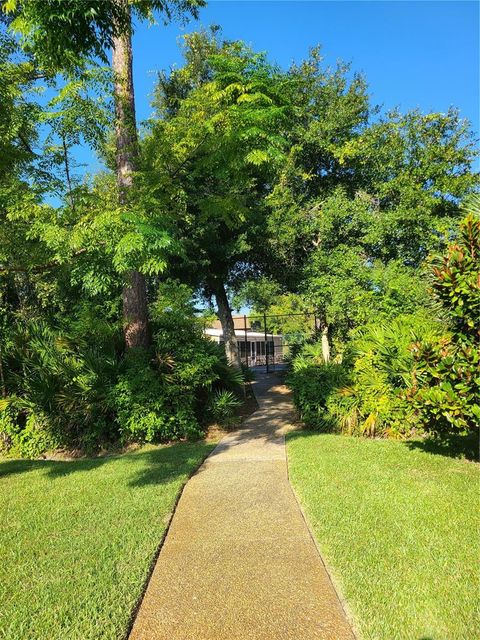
[(58, 382), (306, 354), (367, 393), (163, 396), (409, 374), (68, 384), (446, 386), (375, 401), (27, 440), (151, 402), (222, 407), (312, 386)]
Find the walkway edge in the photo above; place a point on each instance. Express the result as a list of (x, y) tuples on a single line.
[(151, 567), (335, 582)]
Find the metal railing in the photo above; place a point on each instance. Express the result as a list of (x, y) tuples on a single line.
[(274, 344)]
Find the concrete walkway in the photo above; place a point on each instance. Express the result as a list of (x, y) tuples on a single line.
[(238, 562)]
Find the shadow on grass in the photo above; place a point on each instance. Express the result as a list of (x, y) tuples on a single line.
[(453, 446), (456, 446), (155, 466)]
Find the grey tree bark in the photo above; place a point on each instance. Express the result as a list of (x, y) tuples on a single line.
[(226, 320), (135, 310)]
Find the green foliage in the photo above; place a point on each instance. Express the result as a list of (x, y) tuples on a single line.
[(347, 278), (407, 373), (365, 394), (312, 386), (448, 391), (213, 146), (58, 32), (446, 387), (68, 384), (260, 294), (164, 397), (305, 354), (29, 440), (295, 319), (374, 403), (58, 383), (273, 185), (350, 223), (456, 283), (19, 113), (151, 405), (222, 407)]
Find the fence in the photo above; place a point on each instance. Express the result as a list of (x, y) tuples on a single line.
[(265, 340)]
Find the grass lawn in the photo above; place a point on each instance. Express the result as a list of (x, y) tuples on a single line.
[(77, 539), (399, 528)]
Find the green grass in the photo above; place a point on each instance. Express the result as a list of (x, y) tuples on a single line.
[(399, 527), (77, 539)]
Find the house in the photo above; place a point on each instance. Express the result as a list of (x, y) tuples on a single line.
[(252, 346)]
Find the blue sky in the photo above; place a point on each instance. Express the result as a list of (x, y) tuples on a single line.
[(413, 54)]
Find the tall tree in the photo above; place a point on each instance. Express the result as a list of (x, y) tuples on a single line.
[(135, 309), (359, 205), (217, 139), (59, 32)]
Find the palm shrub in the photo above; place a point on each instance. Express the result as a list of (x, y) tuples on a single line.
[(375, 403), (222, 407), (306, 355), (312, 382), (446, 386), (58, 382), (152, 401), (366, 393), (67, 382)]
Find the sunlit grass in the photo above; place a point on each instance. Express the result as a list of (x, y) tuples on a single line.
[(400, 529), (77, 539)]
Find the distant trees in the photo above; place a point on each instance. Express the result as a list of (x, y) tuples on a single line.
[(283, 176), (352, 219)]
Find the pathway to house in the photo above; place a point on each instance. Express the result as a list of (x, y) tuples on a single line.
[(238, 561)]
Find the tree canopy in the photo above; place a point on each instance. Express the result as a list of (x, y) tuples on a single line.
[(283, 189)]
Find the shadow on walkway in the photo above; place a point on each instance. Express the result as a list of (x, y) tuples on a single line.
[(239, 562)]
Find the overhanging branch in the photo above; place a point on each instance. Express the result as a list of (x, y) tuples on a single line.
[(38, 268)]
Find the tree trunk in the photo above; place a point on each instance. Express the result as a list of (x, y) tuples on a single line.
[(226, 320), (325, 344), (135, 310), (3, 386), (321, 327)]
